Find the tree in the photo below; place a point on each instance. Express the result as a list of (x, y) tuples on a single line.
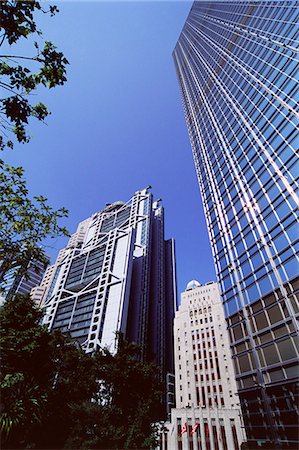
[(74, 385), (24, 223), (44, 375), (129, 403), (56, 396), (118, 412), (22, 74), (25, 364)]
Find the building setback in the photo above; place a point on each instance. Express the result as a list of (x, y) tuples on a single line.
[(117, 273), (236, 64), (206, 391)]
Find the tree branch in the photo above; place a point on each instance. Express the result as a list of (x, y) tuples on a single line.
[(8, 88), (2, 40), (30, 58)]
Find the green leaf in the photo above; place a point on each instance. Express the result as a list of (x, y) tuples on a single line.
[(18, 22)]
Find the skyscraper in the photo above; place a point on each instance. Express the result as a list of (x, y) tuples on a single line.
[(206, 390), (117, 273), (14, 283), (236, 65)]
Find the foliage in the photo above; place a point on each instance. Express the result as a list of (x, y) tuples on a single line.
[(23, 223), (56, 396), (25, 367), (21, 75), (129, 402)]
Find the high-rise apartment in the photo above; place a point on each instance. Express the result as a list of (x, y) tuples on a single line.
[(117, 273), (236, 63), (207, 403)]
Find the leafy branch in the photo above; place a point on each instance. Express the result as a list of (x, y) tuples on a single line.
[(24, 223), (17, 21)]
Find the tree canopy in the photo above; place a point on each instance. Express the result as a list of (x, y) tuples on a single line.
[(56, 396)]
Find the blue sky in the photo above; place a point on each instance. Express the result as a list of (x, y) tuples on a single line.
[(118, 124)]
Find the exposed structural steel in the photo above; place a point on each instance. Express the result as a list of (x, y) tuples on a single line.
[(117, 273), (237, 64)]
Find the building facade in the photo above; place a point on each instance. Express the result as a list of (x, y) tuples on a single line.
[(117, 274), (205, 386), (39, 293), (236, 63), (14, 283)]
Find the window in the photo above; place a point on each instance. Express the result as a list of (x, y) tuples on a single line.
[(286, 349), (261, 321), (238, 334), (234, 433), (244, 363), (270, 354), (275, 314)]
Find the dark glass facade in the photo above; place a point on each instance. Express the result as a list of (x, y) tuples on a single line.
[(14, 283), (237, 64)]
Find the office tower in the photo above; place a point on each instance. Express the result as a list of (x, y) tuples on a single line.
[(206, 391), (236, 65), (14, 283), (117, 273)]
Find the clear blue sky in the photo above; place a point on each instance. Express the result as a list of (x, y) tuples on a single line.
[(118, 123)]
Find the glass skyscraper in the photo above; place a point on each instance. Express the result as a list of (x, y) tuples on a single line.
[(236, 63), (14, 283)]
